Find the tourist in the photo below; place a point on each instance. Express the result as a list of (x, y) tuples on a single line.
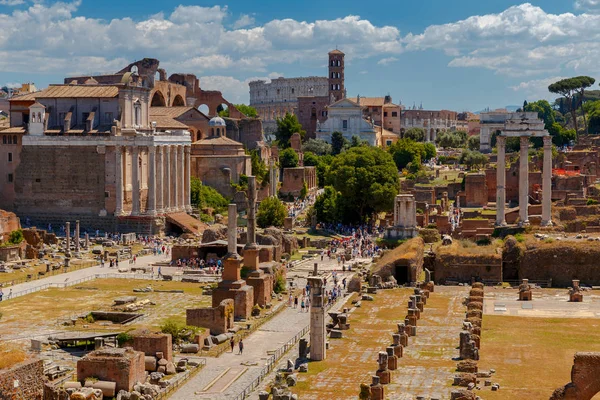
[(302, 305), (1, 294), (9, 294), (290, 300), (295, 301), (232, 344), (241, 346)]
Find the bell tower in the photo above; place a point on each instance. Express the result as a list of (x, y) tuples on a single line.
[(336, 76)]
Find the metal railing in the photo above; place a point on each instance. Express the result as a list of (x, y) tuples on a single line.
[(271, 362)]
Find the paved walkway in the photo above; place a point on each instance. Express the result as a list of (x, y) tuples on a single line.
[(214, 381), (24, 288)]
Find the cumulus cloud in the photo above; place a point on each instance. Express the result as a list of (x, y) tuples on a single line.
[(537, 88), (11, 3), (588, 5), (387, 60), (243, 21)]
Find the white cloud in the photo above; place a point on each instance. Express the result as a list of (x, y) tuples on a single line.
[(243, 21), (537, 88), (387, 61), (588, 5), (11, 3)]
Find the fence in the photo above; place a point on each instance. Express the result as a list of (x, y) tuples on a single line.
[(271, 362), (175, 384), (35, 276)]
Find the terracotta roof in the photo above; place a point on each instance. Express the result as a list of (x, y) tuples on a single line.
[(25, 97), (164, 122), (372, 101), (218, 140), (15, 129), (173, 112), (385, 132), (336, 51), (70, 91)]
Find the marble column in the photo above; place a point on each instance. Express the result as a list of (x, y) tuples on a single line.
[(547, 183), (251, 239), (135, 181), (188, 178), (182, 184), (167, 178), (501, 181), (176, 179), (160, 175), (77, 237), (151, 203), (118, 180), (524, 181), (318, 331), (68, 239), (232, 229)]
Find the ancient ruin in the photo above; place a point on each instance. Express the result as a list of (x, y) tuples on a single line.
[(318, 333), (405, 218)]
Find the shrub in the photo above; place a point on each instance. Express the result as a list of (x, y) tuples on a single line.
[(89, 319), (177, 330), (519, 237), (591, 202), (124, 337), (271, 212), (280, 285)]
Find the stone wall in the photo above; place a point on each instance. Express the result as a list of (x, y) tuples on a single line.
[(216, 319), (60, 180), (8, 222), (152, 343), (294, 179), (124, 366), (405, 262), (455, 263), (476, 190), (584, 383), (24, 381)]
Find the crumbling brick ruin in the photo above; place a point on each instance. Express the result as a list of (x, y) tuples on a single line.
[(217, 319), (584, 383), (29, 378), (124, 366)]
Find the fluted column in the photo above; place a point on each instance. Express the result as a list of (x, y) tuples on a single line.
[(524, 181), (547, 183), (151, 203), (118, 180), (160, 176), (167, 171), (135, 181), (188, 178), (175, 179), (501, 181), (181, 174)]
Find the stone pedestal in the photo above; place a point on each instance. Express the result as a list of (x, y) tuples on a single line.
[(377, 390), (251, 258), (525, 291), (392, 359), (575, 294), (262, 285), (384, 374)]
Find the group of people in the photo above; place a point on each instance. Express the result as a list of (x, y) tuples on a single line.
[(299, 205), (2, 294)]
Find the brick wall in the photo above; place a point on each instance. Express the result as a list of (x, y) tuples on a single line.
[(152, 343), (124, 366), (24, 381)]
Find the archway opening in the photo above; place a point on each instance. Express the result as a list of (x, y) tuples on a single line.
[(158, 100), (203, 109), (223, 110), (401, 273), (178, 101)]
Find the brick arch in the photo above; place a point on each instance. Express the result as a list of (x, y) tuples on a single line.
[(178, 101), (158, 99), (584, 383)]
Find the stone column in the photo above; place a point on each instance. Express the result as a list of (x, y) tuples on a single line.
[(176, 180), (87, 240), (318, 333), (181, 174), (135, 181), (77, 237), (273, 177), (167, 176), (188, 178), (151, 203), (232, 229), (500, 181), (251, 239), (547, 183), (402, 219), (160, 176), (524, 181), (68, 238), (118, 180)]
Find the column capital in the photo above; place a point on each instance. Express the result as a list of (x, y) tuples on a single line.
[(547, 141), (524, 140), (500, 140), (187, 149)]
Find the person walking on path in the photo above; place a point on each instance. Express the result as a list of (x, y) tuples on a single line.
[(296, 302), (302, 305), (241, 346), (232, 343)]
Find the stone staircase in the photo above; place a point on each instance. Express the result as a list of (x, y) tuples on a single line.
[(187, 223)]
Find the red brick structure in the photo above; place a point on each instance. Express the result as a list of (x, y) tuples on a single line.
[(476, 190), (152, 343), (8, 222), (24, 381), (584, 383), (124, 366), (216, 319), (294, 178)]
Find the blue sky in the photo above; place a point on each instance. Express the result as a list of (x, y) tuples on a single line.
[(459, 55)]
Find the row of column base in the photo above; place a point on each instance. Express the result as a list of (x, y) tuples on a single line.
[(153, 213)]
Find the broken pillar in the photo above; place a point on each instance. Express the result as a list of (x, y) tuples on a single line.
[(318, 333)]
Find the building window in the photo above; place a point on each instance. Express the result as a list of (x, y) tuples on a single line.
[(3, 139), (388, 142), (292, 90), (345, 124), (61, 118), (9, 157), (385, 113), (394, 113), (108, 118), (15, 140), (9, 139), (10, 178), (277, 91)]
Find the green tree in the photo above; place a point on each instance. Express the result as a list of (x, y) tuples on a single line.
[(16, 237), (338, 143), (304, 191), (367, 179), (288, 158), (416, 134), (248, 111), (323, 168), (271, 212), (573, 90), (326, 205), (317, 146), (429, 151), (310, 159), (544, 110), (473, 158), (405, 151), (205, 196), (473, 143), (356, 142), (286, 127), (259, 168), (560, 135)]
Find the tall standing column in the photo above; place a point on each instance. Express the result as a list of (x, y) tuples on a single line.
[(188, 178), (77, 237), (175, 180), (68, 239), (168, 180), (160, 175), (547, 183), (318, 332), (501, 181), (135, 181), (181, 169), (118, 180), (524, 181), (151, 203)]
